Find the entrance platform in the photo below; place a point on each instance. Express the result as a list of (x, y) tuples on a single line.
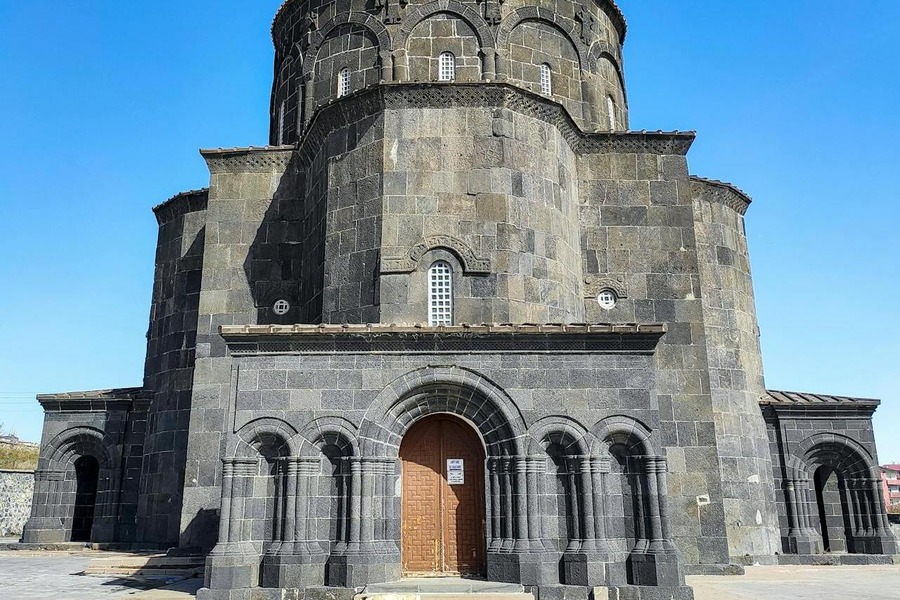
[(443, 588)]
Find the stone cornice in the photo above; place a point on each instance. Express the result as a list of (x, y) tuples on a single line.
[(268, 159), (180, 204), (609, 7), (388, 96), (721, 192), (96, 400), (249, 340)]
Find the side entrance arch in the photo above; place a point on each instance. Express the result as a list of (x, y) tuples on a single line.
[(442, 500)]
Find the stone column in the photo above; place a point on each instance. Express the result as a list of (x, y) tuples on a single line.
[(401, 65), (658, 564), (508, 491), (234, 562), (494, 533), (308, 98), (387, 65), (489, 61), (45, 525), (521, 488), (535, 467)]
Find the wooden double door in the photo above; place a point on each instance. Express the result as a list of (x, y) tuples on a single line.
[(443, 510)]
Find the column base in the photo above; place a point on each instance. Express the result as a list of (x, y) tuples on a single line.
[(44, 530), (354, 569), (231, 567), (803, 544), (529, 569), (592, 569), (658, 570), (293, 566)]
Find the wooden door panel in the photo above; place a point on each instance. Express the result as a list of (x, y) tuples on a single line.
[(442, 525), (421, 509), (463, 504)]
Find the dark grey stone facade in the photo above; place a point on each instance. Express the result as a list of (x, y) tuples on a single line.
[(289, 350)]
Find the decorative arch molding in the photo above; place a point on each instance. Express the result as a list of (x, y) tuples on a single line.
[(602, 50), (558, 429), (320, 432), (268, 431), (594, 284), (80, 441), (540, 15), (442, 389), (467, 14), (369, 22), (621, 429), (837, 451), (472, 264)]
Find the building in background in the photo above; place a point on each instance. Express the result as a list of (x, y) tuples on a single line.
[(890, 481), (457, 319)]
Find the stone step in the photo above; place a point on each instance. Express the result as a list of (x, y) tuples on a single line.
[(443, 588), (148, 565)]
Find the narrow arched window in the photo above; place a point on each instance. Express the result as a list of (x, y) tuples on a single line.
[(343, 83), (546, 83), (440, 293), (611, 112), (281, 123), (446, 67)]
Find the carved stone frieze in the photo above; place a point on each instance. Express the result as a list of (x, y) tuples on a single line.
[(472, 264)]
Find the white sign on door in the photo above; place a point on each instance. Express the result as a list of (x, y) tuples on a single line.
[(455, 475)]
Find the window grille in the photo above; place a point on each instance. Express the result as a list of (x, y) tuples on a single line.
[(446, 67), (440, 294), (611, 111), (343, 82), (546, 84), (607, 299)]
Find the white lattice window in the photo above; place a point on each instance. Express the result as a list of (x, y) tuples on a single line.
[(446, 66), (607, 299), (343, 82), (546, 83), (611, 111), (440, 294)]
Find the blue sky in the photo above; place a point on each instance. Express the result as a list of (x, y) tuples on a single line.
[(104, 105)]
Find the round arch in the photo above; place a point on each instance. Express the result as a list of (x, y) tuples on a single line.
[(837, 451), (452, 390), (467, 14), (365, 20), (266, 431), (327, 430), (558, 429), (540, 15), (621, 429)]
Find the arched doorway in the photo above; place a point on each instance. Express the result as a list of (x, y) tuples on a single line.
[(443, 509), (87, 474)]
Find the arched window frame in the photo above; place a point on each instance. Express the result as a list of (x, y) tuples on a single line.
[(446, 66), (440, 293), (546, 80), (611, 112), (343, 82)]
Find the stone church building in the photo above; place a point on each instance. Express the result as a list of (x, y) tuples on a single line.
[(457, 319)]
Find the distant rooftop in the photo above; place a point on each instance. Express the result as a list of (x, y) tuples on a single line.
[(799, 398)]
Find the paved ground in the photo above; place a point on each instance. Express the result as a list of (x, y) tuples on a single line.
[(40, 575), (26, 575), (802, 583)]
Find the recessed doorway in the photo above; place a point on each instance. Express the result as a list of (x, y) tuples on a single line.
[(443, 510)]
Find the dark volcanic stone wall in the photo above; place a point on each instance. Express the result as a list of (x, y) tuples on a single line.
[(168, 371)]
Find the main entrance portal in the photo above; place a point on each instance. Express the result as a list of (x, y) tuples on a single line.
[(442, 511)]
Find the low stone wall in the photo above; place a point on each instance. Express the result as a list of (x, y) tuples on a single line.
[(16, 488)]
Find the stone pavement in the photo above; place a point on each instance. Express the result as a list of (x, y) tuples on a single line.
[(801, 583), (27, 575)]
